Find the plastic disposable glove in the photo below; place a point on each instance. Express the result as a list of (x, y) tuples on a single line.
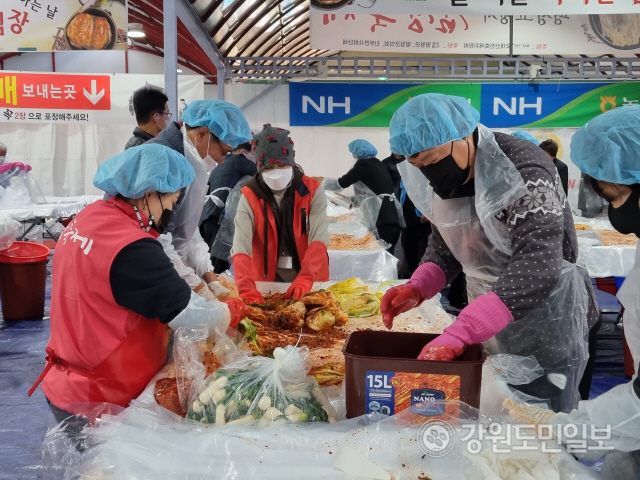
[(528, 414), (244, 275), (206, 293), (425, 283), (237, 309), (331, 185), (482, 319), (215, 315), (315, 260)]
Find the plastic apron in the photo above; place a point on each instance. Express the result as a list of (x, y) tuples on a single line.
[(223, 242), (556, 332), (370, 205), (186, 217), (629, 296)]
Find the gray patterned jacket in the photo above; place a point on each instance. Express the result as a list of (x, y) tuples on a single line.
[(541, 229)]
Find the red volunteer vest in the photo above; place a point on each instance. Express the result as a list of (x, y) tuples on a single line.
[(302, 206), (98, 351)]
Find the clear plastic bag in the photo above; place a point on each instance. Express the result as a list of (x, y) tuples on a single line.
[(198, 353), (498, 373), (266, 391), (9, 231)]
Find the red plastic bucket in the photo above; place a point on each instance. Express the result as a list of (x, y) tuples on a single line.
[(23, 277)]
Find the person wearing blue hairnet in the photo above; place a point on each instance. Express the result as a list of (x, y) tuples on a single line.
[(211, 130), (606, 150), (499, 214), (115, 291), (374, 192)]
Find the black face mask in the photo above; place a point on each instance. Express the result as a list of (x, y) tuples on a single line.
[(626, 218), (165, 218), (445, 176)]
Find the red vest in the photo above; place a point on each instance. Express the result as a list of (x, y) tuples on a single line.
[(98, 351), (303, 196)]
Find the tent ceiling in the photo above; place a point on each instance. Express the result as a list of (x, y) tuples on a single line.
[(240, 28)]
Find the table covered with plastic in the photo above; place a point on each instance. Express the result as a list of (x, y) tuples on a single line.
[(603, 261)]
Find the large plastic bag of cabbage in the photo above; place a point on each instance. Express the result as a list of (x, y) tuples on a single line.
[(356, 298), (266, 391)]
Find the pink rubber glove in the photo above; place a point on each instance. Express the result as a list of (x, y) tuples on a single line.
[(425, 283), (482, 319), (8, 166)]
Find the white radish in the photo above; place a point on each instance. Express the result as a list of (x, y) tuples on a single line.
[(197, 407), (299, 394), (272, 414), (332, 420), (220, 415), (231, 407), (249, 419), (219, 383), (292, 410), (298, 417), (219, 395), (264, 403), (205, 396)]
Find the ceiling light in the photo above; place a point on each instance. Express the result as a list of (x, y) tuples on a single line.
[(179, 71), (383, 78), (135, 31)]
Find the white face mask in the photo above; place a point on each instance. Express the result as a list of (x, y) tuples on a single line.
[(208, 160), (278, 178), (2, 159)]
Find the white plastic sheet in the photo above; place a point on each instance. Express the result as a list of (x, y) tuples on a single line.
[(56, 207), (147, 442)]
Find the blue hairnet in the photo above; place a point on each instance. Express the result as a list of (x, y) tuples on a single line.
[(525, 136), (431, 120), (608, 147), (362, 149), (223, 119), (142, 169)]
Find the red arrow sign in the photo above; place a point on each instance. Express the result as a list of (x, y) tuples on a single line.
[(44, 90)]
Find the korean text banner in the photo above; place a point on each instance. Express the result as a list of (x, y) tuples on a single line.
[(500, 105), (79, 98), (470, 34), (58, 25), (478, 7)]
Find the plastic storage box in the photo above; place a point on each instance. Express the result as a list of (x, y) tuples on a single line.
[(383, 375)]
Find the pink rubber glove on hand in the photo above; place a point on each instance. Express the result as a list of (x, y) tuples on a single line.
[(425, 283), (482, 319), (8, 166)]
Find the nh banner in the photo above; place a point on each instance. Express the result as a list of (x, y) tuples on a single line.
[(478, 7), (500, 105)]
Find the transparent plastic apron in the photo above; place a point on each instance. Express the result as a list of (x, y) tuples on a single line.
[(629, 296), (185, 218), (556, 331), (223, 242), (370, 205)]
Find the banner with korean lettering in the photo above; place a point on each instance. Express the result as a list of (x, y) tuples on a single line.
[(477, 7), (500, 105), (59, 25), (487, 34), (79, 98), (448, 34)]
